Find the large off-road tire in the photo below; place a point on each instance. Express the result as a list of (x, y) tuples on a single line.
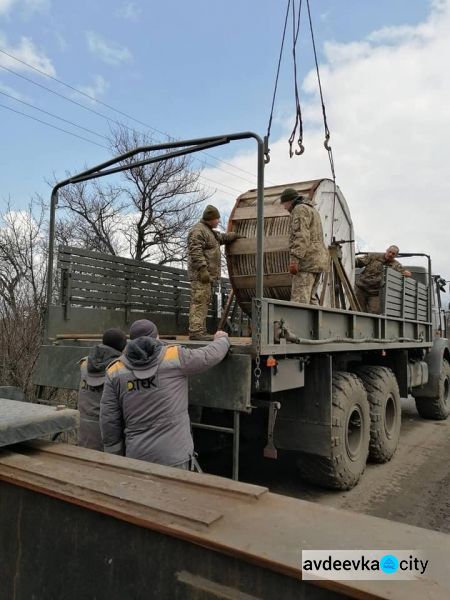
[(350, 433), (437, 408), (385, 411)]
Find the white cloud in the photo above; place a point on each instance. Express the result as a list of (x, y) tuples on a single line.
[(27, 6), (109, 52), (12, 92), (325, 15), (37, 5), (61, 41), (26, 51), (129, 11), (388, 105), (97, 88), (6, 5)]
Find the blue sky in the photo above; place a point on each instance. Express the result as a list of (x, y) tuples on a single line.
[(205, 67), (185, 68)]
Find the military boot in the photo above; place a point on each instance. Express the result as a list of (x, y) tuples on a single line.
[(201, 337)]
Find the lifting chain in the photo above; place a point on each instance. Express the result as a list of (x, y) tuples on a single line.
[(257, 369)]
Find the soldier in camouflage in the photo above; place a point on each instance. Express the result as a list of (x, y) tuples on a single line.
[(368, 282), (309, 256), (204, 268), (93, 369)]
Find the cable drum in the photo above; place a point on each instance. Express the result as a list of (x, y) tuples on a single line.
[(241, 254)]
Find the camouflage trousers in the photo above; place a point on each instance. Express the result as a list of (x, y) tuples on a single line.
[(198, 310), (369, 303), (304, 287)]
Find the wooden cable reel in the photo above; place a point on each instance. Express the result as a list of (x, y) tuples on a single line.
[(241, 254)]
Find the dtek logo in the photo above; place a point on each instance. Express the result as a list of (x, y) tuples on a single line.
[(141, 384), (363, 564)]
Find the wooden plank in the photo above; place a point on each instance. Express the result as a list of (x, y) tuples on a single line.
[(169, 297), (244, 213), (390, 282), (101, 301), (393, 300), (275, 243), (249, 281), (100, 257), (247, 529), (93, 274), (148, 283), (134, 287), (152, 307), (123, 270), (79, 280), (120, 485), (98, 294)]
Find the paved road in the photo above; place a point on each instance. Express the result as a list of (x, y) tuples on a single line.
[(413, 488)]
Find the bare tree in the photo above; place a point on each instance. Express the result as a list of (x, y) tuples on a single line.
[(23, 258), (145, 214)]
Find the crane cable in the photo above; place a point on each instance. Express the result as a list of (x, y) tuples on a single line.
[(298, 110), (326, 142), (298, 115), (269, 127)]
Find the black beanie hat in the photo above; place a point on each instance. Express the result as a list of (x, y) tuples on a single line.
[(143, 327), (210, 213), (114, 338), (288, 195)]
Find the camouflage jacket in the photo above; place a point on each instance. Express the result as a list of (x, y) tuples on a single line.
[(371, 277), (306, 243), (204, 249)]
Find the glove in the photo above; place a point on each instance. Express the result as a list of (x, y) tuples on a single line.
[(220, 334), (293, 267), (237, 236), (203, 275)]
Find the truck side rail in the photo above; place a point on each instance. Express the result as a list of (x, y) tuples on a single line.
[(99, 290), (319, 329), (404, 297)]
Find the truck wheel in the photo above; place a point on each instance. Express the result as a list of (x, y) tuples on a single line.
[(350, 433), (437, 408), (385, 411)]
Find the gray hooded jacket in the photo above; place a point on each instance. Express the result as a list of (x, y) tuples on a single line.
[(93, 370), (144, 406)]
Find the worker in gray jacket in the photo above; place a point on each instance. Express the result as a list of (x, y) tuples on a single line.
[(92, 370), (144, 406)]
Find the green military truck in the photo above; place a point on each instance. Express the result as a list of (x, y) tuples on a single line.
[(327, 379)]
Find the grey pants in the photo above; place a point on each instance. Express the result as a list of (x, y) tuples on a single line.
[(190, 465), (186, 466)]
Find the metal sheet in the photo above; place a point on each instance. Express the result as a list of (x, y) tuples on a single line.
[(21, 421), (57, 366), (334, 330), (304, 420), (95, 514)]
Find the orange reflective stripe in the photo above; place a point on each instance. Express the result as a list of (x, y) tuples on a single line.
[(115, 367), (171, 353)]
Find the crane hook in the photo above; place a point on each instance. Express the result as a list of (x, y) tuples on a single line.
[(301, 148)]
